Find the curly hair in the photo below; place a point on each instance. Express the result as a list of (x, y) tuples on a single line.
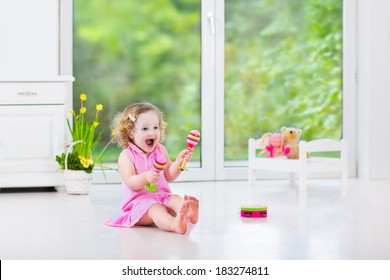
[(124, 127)]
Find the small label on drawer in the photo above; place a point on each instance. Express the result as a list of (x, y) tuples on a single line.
[(32, 93)]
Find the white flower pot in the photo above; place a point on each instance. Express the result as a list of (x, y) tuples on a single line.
[(77, 181)]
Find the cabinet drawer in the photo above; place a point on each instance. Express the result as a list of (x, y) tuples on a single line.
[(32, 93)]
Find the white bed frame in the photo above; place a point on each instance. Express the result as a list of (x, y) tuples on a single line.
[(304, 164)]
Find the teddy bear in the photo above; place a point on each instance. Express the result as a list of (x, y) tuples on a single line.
[(291, 138), (274, 145)]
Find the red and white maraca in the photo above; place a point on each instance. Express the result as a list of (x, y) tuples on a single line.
[(158, 165), (192, 140)]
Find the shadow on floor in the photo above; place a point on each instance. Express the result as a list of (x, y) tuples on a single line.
[(28, 190)]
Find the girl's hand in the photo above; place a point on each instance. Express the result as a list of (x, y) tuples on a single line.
[(184, 155), (188, 154), (152, 176)]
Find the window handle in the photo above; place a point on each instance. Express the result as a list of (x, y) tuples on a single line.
[(210, 18)]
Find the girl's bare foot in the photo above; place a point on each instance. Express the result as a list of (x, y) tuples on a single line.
[(193, 208), (179, 224)]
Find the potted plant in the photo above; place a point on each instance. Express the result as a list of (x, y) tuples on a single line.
[(77, 162)]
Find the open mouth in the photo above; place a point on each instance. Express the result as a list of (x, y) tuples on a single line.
[(149, 142)]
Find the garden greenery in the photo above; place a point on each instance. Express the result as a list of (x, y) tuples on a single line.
[(84, 140), (283, 61)]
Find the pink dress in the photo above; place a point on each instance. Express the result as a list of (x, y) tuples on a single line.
[(136, 203)]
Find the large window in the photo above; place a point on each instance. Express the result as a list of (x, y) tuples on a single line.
[(232, 69), (283, 67), (132, 51)]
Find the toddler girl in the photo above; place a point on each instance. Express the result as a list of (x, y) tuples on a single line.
[(139, 130)]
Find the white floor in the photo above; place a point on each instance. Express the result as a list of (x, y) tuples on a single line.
[(321, 224)]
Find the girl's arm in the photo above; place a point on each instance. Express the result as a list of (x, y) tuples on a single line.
[(172, 170), (130, 178)]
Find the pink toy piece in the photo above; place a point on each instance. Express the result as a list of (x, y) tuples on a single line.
[(158, 165), (276, 146), (193, 138), (254, 212)]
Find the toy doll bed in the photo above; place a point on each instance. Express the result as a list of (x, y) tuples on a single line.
[(304, 164)]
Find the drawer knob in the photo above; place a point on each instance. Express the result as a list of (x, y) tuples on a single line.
[(28, 93)]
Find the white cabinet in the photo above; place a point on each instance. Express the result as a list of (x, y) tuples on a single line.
[(35, 90), (32, 132), (29, 38)]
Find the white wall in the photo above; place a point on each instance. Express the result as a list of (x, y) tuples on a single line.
[(373, 97)]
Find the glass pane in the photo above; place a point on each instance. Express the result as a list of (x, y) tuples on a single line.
[(132, 51), (283, 67)]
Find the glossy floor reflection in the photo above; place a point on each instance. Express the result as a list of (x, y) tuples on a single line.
[(320, 224)]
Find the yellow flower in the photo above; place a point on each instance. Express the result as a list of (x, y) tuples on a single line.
[(85, 162), (71, 112), (113, 132), (95, 124), (99, 107), (83, 97), (83, 110)]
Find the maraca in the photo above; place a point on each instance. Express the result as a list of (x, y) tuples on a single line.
[(192, 140), (158, 165)]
